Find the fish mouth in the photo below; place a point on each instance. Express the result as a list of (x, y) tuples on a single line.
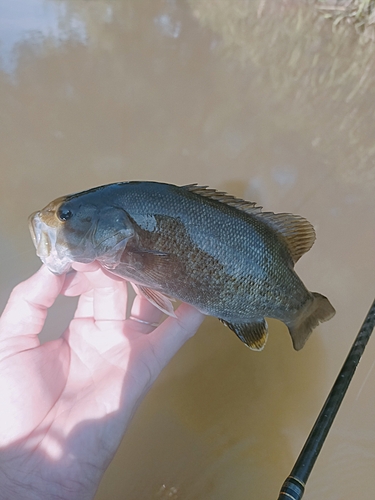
[(44, 237)]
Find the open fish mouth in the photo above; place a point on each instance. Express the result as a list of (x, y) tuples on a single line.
[(45, 238)]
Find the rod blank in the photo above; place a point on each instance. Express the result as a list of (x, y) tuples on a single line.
[(294, 485)]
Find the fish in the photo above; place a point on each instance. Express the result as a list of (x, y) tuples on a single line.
[(221, 254)]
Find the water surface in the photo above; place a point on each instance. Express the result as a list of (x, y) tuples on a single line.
[(265, 101)]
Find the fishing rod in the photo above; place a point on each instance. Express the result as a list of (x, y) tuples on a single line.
[(294, 485)]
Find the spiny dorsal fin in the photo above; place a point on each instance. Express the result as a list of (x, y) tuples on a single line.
[(246, 206), (298, 233)]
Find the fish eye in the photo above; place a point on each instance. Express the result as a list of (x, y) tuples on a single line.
[(64, 214)]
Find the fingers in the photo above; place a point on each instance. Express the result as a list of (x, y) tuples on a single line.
[(85, 306), (85, 277), (26, 310), (110, 302), (144, 316), (171, 335), (75, 284), (102, 298), (92, 266)]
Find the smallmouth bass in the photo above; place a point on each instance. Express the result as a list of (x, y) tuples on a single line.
[(219, 253)]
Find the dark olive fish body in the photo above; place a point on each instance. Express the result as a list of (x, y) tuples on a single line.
[(222, 255)]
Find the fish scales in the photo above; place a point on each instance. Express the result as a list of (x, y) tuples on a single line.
[(218, 253), (203, 243), (198, 234)]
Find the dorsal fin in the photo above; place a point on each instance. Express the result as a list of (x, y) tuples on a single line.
[(298, 233), (246, 206)]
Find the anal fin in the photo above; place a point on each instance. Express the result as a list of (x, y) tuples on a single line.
[(253, 334)]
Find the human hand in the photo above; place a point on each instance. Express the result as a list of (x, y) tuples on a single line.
[(65, 405)]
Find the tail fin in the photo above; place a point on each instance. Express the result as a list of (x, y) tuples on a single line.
[(319, 311)]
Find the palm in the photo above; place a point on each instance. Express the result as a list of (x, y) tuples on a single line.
[(66, 403)]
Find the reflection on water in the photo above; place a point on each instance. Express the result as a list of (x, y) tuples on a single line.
[(311, 70), (268, 104), (38, 22)]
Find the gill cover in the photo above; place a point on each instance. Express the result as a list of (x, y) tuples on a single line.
[(112, 232)]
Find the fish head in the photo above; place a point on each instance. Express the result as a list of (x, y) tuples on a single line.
[(79, 229)]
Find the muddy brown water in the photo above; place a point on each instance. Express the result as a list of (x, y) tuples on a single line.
[(264, 100)]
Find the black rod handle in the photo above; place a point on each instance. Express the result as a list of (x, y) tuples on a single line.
[(294, 485)]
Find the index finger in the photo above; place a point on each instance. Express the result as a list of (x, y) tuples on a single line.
[(26, 310)]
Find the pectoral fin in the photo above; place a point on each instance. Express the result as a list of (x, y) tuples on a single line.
[(158, 300), (254, 334), (153, 265)]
